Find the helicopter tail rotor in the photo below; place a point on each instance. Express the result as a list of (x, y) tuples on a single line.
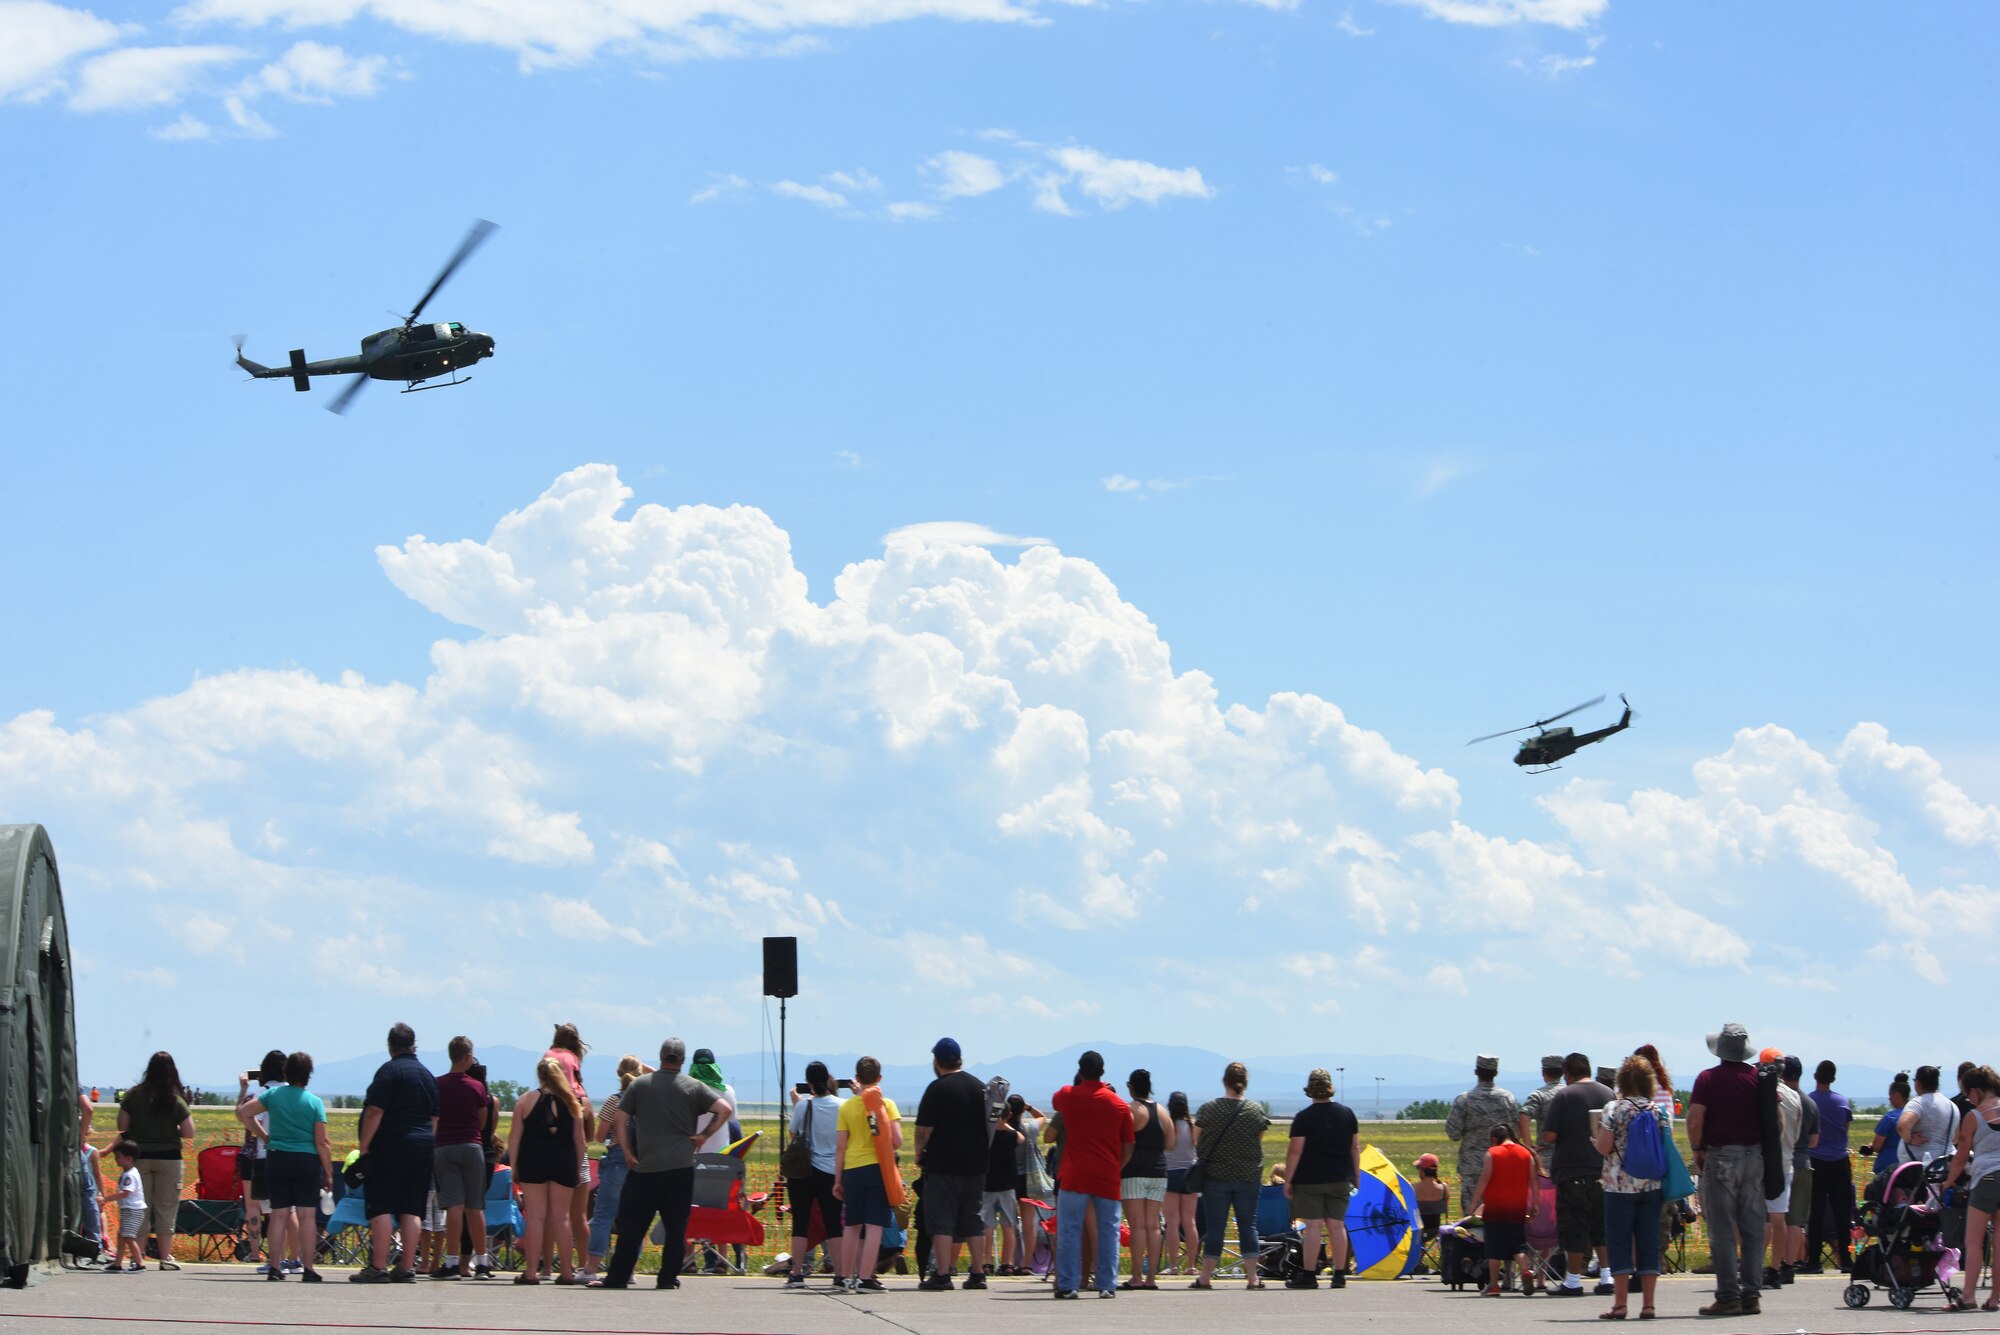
[(256, 369)]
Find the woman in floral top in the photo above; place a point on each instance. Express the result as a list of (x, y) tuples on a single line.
[(1631, 1204)]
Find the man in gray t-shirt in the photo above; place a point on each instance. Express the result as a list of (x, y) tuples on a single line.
[(663, 1122)]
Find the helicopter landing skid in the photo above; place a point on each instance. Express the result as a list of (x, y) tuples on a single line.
[(1545, 769), (418, 386)]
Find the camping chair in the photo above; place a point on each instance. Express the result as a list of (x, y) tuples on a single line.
[(346, 1241), (721, 1212), (504, 1225), (213, 1217), (1675, 1226), (1280, 1242), (1544, 1241)]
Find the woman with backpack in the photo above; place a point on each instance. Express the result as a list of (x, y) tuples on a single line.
[(1631, 1136)]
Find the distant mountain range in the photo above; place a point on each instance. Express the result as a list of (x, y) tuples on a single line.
[(1404, 1078)]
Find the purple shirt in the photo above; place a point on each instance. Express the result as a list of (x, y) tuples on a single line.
[(1835, 1114)]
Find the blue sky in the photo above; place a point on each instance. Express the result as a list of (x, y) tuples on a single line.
[(1472, 359)]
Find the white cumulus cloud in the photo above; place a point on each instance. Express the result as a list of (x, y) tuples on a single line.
[(971, 761), (41, 39)]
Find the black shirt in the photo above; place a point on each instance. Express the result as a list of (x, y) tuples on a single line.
[(954, 1108), (1000, 1174), (1567, 1113), (407, 1094), (1328, 1154)]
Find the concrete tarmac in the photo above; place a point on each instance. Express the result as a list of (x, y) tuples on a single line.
[(230, 1298)]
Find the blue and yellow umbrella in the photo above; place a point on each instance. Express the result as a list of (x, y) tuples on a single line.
[(1383, 1226)]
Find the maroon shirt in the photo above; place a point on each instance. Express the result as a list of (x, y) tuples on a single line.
[(461, 1110), (1728, 1093)]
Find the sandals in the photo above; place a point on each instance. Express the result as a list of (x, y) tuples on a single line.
[(1991, 1305), (1615, 1314), (526, 1279), (1202, 1284), (1253, 1284), (1647, 1314)]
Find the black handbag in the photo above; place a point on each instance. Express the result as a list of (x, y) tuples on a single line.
[(1197, 1176), (796, 1163)]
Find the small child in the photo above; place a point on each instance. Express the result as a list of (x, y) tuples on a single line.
[(131, 1207)]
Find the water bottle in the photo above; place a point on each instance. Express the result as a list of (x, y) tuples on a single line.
[(326, 1202)]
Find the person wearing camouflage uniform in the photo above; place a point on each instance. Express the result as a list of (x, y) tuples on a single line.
[(1474, 1114), (1530, 1131)]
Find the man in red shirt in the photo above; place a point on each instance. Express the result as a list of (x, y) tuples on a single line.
[(1097, 1140)]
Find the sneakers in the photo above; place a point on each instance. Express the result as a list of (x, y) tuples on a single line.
[(1605, 1287), (795, 1280), (870, 1285), (402, 1276), (1811, 1268), (1339, 1280), (1566, 1291), (294, 1266), (1066, 1293), (1771, 1280), (1721, 1307), (273, 1274), (1786, 1273), (368, 1274), (311, 1276), (446, 1272), (483, 1270), (1302, 1279), (975, 1280), (1107, 1293), (936, 1282), (1752, 1306)]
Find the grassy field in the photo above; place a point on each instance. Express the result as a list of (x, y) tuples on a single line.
[(1401, 1142)]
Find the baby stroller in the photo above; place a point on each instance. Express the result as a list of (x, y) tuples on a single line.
[(1902, 1213), (1461, 1256)]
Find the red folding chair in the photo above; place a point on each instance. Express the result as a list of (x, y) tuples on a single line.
[(214, 1216)]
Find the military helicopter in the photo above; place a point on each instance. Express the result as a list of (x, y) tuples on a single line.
[(412, 352), (1539, 754)]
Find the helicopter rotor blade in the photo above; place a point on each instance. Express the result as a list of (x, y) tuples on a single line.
[(1567, 712), (481, 229), (1491, 735), (345, 399)]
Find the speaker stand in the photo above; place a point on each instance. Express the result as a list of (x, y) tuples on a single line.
[(784, 1104)]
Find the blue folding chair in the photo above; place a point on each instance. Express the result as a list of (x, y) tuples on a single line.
[(1279, 1244), (347, 1231), (504, 1225)]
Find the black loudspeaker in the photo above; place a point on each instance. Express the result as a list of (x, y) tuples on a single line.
[(781, 966)]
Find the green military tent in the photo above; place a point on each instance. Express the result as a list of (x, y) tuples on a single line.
[(39, 1190)]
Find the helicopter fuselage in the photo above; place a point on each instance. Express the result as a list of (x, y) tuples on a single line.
[(1553, 744), (422, 352), (418, 353)]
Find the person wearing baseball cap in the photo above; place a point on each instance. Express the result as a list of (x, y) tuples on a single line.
[(1726, 1131), (953, 1146), (1432, 1194), (1473, 1116), (1529, 1132)]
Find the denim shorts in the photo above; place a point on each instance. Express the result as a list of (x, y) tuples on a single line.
[(1177, 1183)]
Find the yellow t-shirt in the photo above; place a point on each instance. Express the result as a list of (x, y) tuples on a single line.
[(860, 1141)]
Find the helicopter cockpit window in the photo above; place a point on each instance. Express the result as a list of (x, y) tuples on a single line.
[(455, 329)]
